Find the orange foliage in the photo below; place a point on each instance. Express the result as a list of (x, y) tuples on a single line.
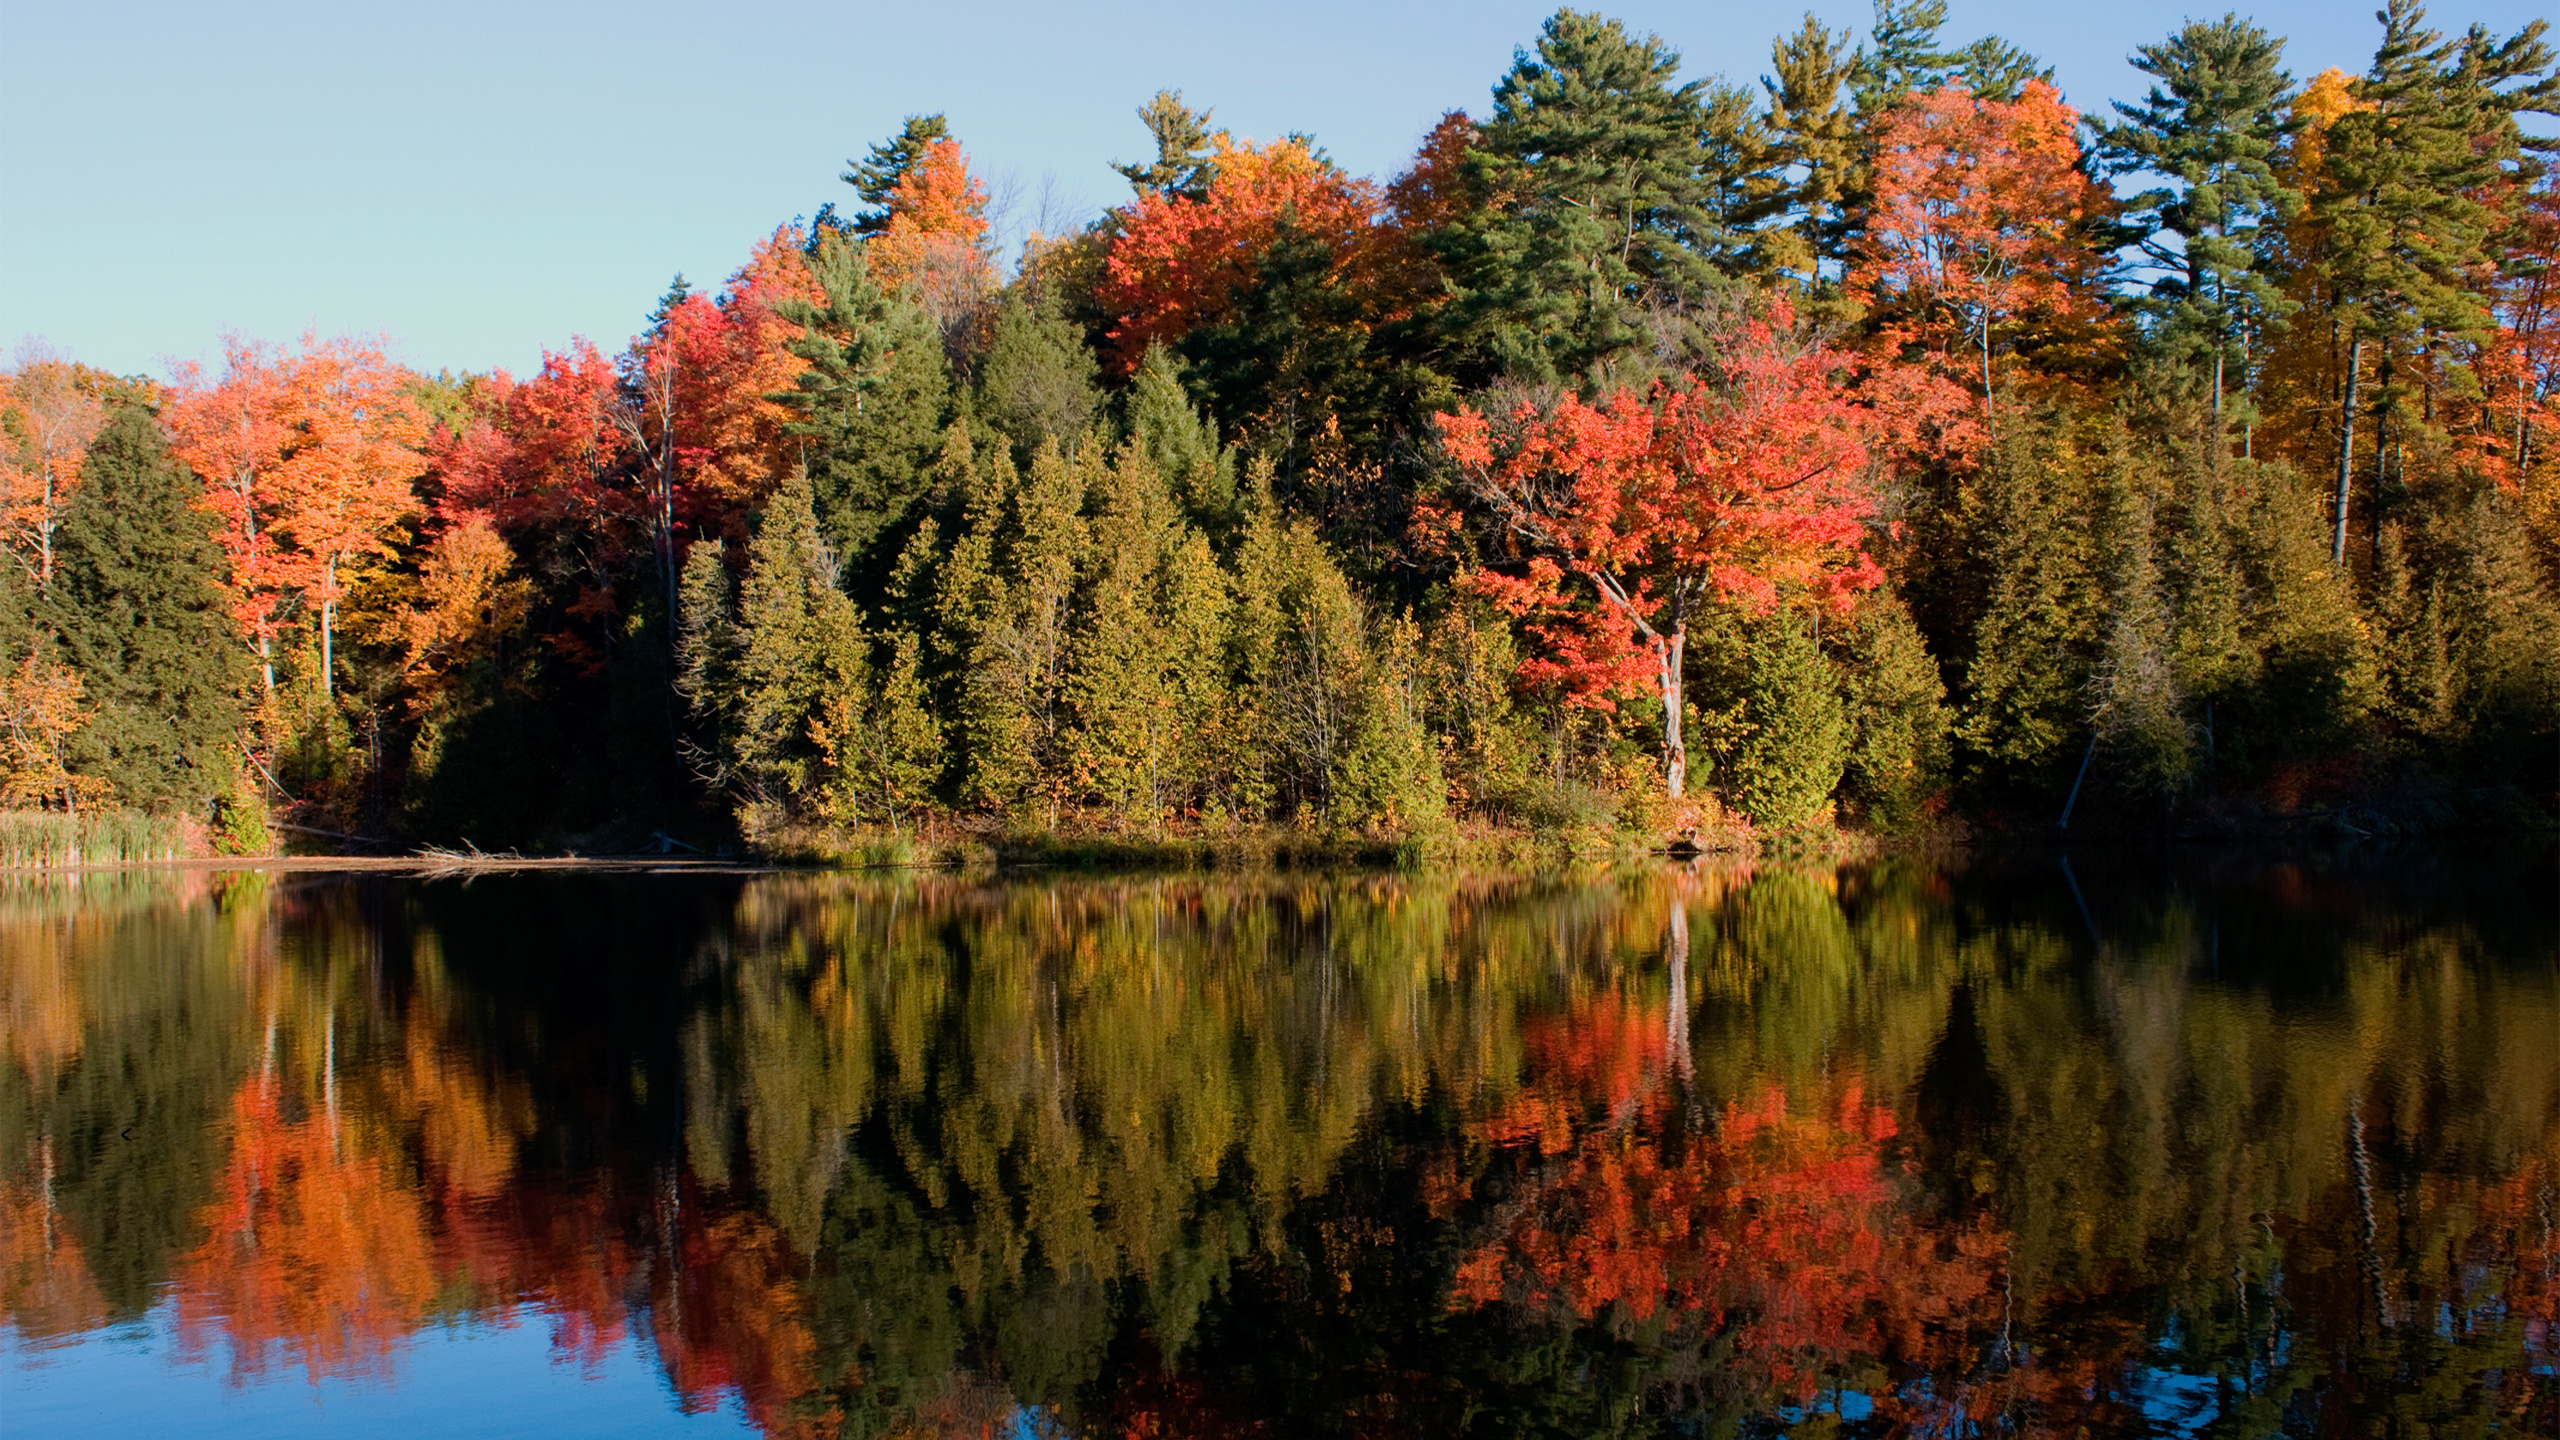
[(46, 1290), (39, 710), (1977, 236), (51, 419), (1180, 263), (317, 1249), (935, 238), (308, 461)]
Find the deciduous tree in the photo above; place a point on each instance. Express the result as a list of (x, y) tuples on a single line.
[(1751, 488)]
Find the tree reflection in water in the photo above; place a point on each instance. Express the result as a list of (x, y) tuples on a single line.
[(2227, 1148)]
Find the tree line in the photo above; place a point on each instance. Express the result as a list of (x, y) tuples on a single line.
[(1880, 441)]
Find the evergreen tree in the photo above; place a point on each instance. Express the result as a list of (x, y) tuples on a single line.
[(2211, 128), (2405, 208), (1797, 734), (1183, 446), (1814, 154), (871, 403), (1037, 379), (1183, 143), (2033, 638), (706, 663), (1594, 150), (2140, 710), (875, 177), (1387, 779), (1127, 739), (1897, 756), (136, 609), (799, 657)]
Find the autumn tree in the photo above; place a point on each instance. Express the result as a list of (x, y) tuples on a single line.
[(40, 709), (47, 420), (1978, 238), (1748, 487), (877, 176), (932, 242), (308, 460)]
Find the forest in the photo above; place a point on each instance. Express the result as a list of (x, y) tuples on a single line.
[(1877, 446)]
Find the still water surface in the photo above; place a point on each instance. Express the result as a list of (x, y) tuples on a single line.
[(2227, 1146)]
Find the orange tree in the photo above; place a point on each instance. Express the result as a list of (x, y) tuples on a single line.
[(1618, 521), (1979, 234)]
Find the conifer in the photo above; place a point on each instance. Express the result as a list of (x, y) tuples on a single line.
[(135, 609), (871, 403)]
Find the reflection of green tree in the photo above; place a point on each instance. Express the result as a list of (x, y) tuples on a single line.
[(1085, 1101), (1212, 1145), (144, 978)]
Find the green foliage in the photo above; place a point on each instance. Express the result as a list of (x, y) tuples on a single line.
[(2212, 128), (1595, 149), (1183, 445), (1898, 748), (2023, 709), (1797, 736), (1036, 381), (134, 608), (1182, 139), (872, 403)]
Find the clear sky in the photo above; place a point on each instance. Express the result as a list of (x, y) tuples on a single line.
[(476, 181)]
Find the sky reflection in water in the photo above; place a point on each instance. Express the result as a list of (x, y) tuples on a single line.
[(2225, 1146)]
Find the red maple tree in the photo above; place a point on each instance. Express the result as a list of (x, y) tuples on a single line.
[(1624, 518)]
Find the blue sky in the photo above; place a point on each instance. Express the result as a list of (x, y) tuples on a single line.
[(475, 181)]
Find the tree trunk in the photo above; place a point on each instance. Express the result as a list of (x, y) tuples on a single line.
[(2346, 450), (1990, 425), (1675, 1037), (1675, 753)]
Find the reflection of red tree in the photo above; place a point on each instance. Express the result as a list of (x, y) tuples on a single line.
[(1771, 1225), (45, 1288), (316, 1248), (727, 1318)]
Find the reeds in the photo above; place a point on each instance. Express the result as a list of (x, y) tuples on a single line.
[(30, 838)]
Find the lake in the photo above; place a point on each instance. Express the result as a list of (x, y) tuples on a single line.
[(2217, 1144)]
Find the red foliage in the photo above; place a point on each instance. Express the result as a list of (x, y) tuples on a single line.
[(709, 378), (1753, 490), (1775, 1226), (1179, 263)]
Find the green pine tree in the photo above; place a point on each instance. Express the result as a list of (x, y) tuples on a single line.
[(1183, 445), (1037, 379), (2211, 128), (135, 608), (1797, 737), (872, 404), (875, 177), (1595, 150)]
